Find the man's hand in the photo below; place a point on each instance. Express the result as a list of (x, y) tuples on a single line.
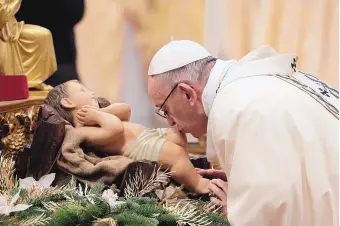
[(88, 115), (219, 188), (212, 174), (218, 185)]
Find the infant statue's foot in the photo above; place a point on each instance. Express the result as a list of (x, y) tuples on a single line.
[(88, 115)]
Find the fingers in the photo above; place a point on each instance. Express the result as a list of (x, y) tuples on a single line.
[(218, 191), (200, 171), (219, 188), (81, 116), (81, 112), (221, 184), (217, 174), (80, 119), (211, 173)]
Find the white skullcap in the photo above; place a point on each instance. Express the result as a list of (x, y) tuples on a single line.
[(176, 54)]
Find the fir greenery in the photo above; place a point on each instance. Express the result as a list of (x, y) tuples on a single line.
[(73, 204)]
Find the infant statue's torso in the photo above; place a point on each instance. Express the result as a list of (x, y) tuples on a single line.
[(120, 144), (136, 136)]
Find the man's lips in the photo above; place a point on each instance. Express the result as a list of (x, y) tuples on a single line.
[(181, 131)]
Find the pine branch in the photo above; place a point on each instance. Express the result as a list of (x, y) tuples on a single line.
[(8, 180), (51, 206), (36, 220), (149, 210), (168, 220), (144, 200), (97, 189), (57, 191), (28, 213), (210, 207), (187, 213), (133, 219), (86, 194), (73, 214), (139, 186), (55, 194)]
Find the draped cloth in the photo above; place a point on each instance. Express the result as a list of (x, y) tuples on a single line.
[(87, 166), (308, 28)]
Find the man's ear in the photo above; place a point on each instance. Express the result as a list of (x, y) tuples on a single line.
[(189, 92), (67, 103)]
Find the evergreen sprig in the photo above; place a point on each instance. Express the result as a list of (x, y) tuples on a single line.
[(70, 204)]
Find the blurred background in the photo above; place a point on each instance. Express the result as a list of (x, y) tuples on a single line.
[(108, 44)]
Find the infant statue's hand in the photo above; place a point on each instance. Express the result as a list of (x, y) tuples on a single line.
[(88, 115)]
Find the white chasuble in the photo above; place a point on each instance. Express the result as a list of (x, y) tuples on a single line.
[(275, 133)]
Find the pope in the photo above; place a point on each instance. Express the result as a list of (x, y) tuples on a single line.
[(273, 129)]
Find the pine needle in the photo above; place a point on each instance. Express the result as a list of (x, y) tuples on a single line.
[(138, 185), (36, 220), (187, 213), (51, 206), (210, 207), (97, 189), (8, 180), (37, 195), (87, 194)]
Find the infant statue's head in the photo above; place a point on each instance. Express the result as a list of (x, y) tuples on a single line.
[(69, 97)]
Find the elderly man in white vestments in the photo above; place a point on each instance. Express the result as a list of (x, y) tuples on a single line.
[(273, 129)]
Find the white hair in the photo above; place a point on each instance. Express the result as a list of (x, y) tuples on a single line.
[(192, 72)]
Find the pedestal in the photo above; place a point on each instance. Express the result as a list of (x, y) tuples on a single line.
[(17, 125)]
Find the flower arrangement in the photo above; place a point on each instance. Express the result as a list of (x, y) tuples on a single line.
[(28, 202)]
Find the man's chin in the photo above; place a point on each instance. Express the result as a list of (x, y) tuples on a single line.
[(197, 135)]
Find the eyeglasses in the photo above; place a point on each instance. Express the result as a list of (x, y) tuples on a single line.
[(159, 111)]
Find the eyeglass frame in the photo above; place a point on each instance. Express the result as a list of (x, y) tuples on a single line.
[(159, 109)]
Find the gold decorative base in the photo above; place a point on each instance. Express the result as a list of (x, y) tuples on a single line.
[(17, 123)]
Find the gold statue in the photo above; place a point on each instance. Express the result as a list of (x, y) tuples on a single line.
[(25, 49)]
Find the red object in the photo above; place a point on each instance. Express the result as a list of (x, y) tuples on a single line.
[(13, 87)]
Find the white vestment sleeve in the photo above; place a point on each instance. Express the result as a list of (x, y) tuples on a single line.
[(279, 172)]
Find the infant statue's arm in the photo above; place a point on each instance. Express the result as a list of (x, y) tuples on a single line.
[(175, 158), (121, 110), (110, 126)]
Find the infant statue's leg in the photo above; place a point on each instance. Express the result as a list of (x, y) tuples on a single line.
[(174, 136)]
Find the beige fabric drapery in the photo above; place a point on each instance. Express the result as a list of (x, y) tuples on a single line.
[(99, 41), (306, 27), (99, 36)]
